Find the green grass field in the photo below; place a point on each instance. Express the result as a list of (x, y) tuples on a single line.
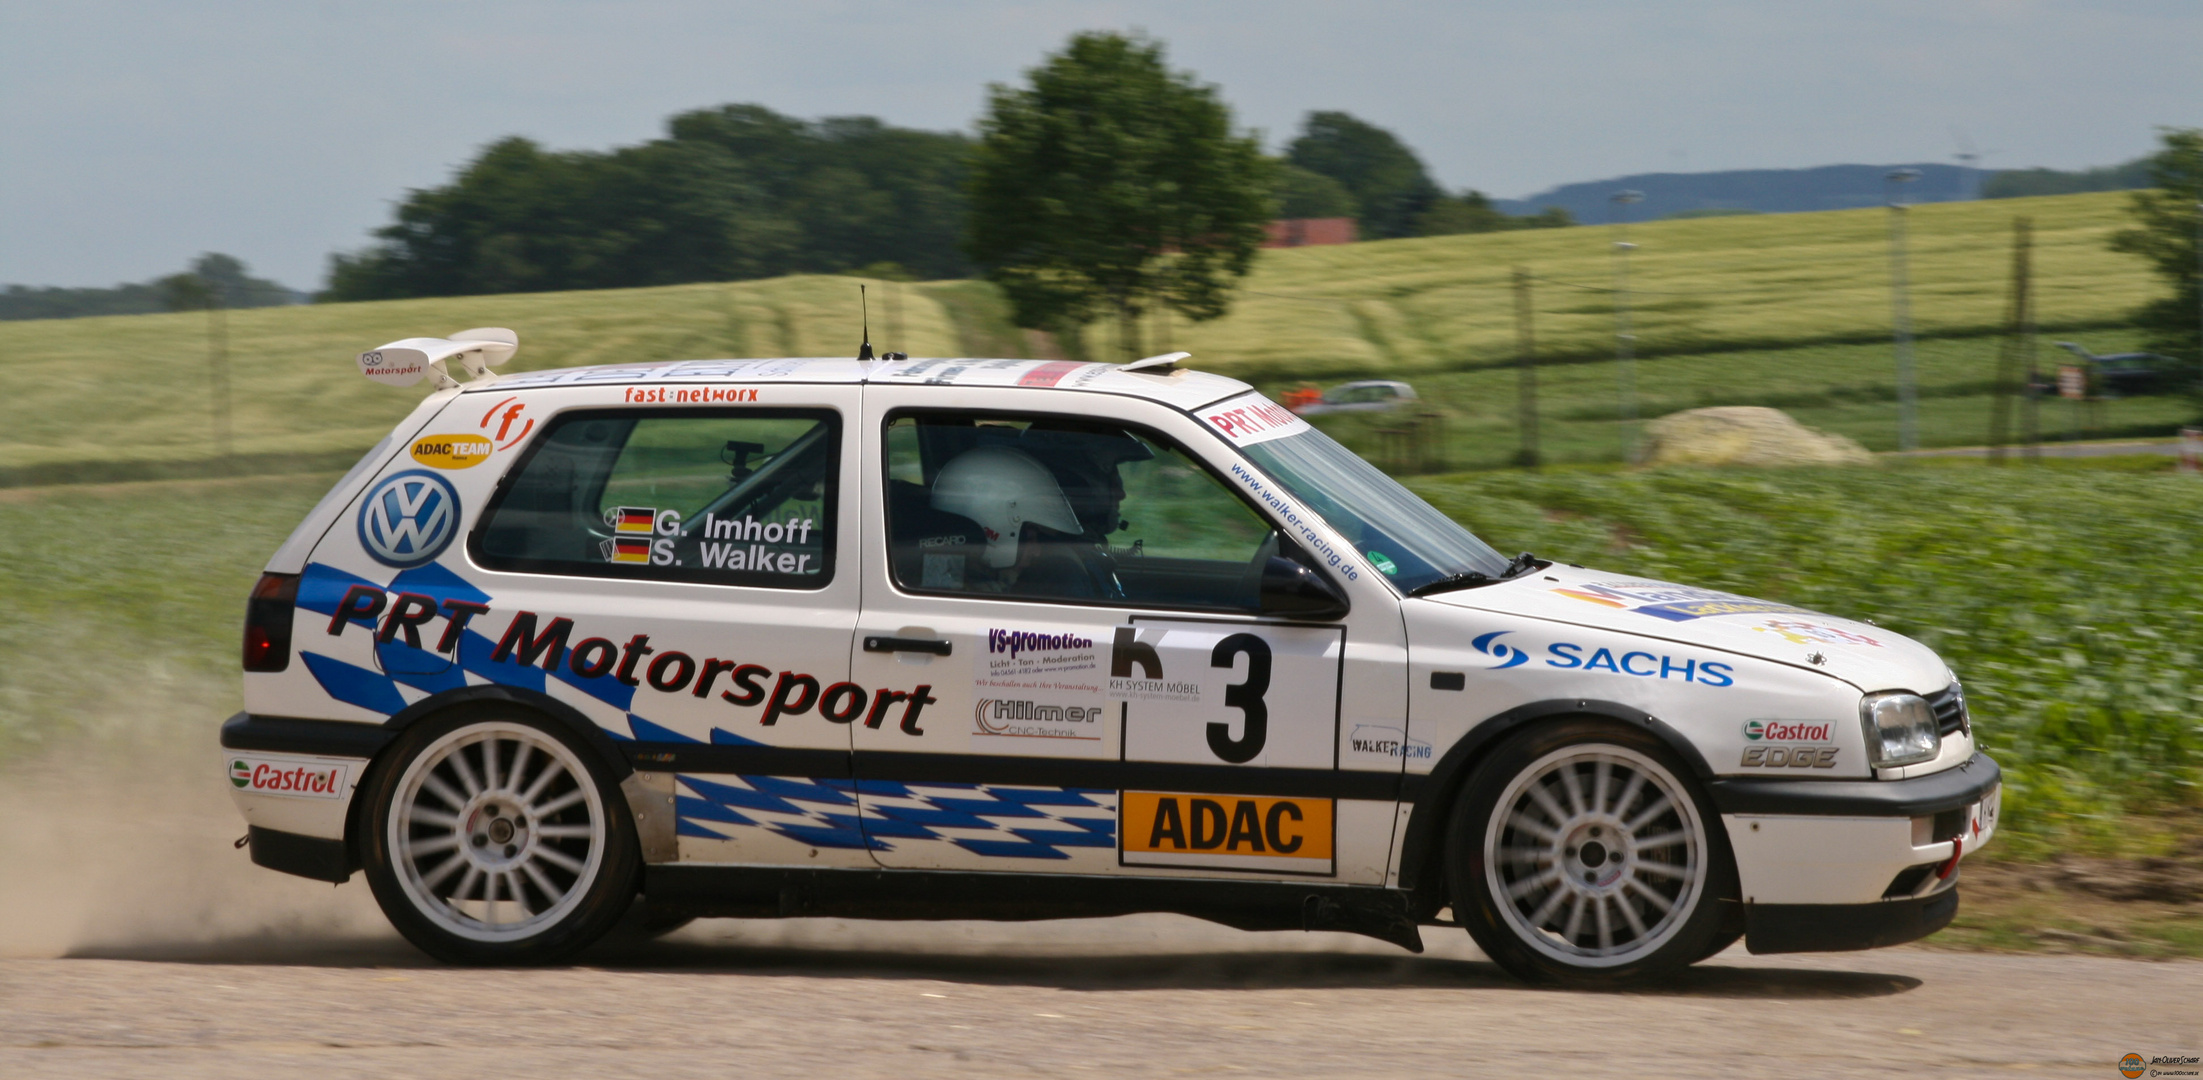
[(2062, 595), (1782, 308)]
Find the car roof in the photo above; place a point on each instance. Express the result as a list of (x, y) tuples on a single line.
[(1180, 388)]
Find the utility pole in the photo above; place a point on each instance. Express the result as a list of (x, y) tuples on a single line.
[(2019, 337), (1526, 350), (1625, 341), (1900, 311)]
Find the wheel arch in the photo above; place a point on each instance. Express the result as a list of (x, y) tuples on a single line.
[(1422, 867), (602, 747)]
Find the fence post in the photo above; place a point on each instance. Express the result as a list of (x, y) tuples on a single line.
[(2019, 338), (1526, 352)]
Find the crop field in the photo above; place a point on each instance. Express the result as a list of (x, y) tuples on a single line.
[(1409, 306), (2061, 595), (1784, 309)]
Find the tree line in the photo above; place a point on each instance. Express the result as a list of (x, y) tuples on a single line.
[(213, 280), (741, 191)]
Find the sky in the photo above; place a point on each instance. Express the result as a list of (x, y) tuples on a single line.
[(134, 135)]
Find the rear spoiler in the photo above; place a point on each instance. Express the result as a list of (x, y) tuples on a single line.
[(407, 360)]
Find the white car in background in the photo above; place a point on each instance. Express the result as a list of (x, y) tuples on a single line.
[(1015, 639), (1367, 395)]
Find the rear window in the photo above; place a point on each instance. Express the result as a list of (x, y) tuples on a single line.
[(733, 497)]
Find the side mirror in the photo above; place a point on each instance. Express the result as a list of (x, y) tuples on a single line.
[(1292, 589)]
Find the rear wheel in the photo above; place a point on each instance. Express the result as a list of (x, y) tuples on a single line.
[(1580, 854), (491, 839)]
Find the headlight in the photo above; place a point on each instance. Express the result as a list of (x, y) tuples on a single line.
[(1900, 729)]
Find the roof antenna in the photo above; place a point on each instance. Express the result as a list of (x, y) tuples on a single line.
[(864, 351)]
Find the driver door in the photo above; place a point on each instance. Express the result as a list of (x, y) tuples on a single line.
[(1131, 714)]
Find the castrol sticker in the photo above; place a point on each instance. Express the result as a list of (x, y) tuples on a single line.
[(1251, 418), (304, 779)]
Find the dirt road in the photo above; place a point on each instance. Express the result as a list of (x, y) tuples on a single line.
[(1147, 996), (135, 943)]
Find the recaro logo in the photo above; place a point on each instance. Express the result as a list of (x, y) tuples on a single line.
[(409, 518)]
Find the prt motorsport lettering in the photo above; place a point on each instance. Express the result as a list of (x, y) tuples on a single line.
[(527, 641)]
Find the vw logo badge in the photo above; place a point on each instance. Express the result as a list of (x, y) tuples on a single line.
[(409, 518)]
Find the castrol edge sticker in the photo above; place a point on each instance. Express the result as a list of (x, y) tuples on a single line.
[(287, 776), (1251, 418)]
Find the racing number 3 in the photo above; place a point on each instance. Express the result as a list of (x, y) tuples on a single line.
[(1244, 696)]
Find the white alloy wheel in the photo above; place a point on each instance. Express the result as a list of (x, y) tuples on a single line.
[(496, 832), (1595, 856)]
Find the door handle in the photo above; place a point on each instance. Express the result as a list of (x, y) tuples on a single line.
[(875, 643)]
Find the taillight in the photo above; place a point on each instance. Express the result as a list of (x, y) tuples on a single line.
[(268, 622)]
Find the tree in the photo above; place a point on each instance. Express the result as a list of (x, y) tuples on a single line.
[(216, 280), (2166, 233), (1110, 184), (212, 277), (1303, 194), (1472, 212), (1388, 182)]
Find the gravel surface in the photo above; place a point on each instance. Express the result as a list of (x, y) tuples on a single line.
[(135, 942), (1141, 996)]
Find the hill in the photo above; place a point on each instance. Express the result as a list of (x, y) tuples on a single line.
[(129, 395), (1766, 191)]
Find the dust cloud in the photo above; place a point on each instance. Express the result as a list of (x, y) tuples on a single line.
[(121, 838)]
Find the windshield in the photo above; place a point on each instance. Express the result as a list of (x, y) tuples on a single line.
[(1396, 533)]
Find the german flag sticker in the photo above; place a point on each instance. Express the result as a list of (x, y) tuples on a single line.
[(624, 549), (631, 519)]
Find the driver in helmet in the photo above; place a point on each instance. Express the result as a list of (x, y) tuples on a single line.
[(1035, 542), (1085, 459)]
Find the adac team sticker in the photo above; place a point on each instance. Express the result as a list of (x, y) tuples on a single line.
[(452, 451), (409, 518)]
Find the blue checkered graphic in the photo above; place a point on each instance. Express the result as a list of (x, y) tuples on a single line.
[(988, 820)]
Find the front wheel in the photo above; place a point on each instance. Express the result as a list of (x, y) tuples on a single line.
[(490, 839), (1579, 854)]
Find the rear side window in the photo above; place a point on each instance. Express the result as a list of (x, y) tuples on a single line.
[(725, 497)]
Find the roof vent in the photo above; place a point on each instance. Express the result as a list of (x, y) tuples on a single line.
[(1161, 364)]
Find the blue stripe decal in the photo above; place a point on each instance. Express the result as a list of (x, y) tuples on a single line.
[(356, 686)]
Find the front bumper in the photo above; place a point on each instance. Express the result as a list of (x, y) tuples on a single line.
[(1791, 928), (1860, 861)]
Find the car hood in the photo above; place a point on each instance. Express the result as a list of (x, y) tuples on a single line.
[(1867, 656)]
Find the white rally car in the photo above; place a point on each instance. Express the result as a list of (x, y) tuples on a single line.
[(1015, 639)]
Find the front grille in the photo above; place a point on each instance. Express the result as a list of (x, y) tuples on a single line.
[(1950, 711)]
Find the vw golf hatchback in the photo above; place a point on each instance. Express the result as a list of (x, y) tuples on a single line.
[(1018, 639)]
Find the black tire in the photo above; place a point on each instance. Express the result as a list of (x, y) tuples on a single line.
[(1577, 884), (494, 837)]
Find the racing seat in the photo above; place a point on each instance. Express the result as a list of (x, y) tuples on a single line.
[(929, 548)]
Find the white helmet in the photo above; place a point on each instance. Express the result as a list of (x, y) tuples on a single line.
[(1001, 489)]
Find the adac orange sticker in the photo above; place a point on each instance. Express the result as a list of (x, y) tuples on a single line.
[(451, 451), (1173, 829)]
